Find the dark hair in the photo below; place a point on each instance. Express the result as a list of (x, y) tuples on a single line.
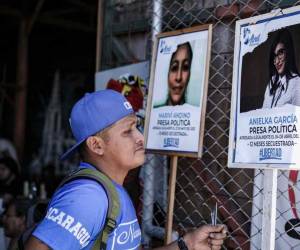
[(28, 208), (21, 206), (290, 70), (190, 54), (82, 150), (189, 50), (11, 164)]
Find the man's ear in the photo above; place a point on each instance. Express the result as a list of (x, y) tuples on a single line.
[(96, 144)]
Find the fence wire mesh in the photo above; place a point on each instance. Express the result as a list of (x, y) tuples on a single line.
[(203, 182)]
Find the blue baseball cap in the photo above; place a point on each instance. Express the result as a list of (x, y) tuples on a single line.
[(95, 112)]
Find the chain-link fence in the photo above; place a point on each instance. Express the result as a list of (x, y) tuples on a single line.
[(203, 182)]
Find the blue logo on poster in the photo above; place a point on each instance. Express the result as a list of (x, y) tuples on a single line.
[(270, 153), (171, 142), (164, 48), (250, 39)]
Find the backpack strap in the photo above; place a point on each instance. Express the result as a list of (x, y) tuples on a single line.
[(113, 202)]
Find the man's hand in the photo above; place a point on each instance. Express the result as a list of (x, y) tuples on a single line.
[(207, 237)]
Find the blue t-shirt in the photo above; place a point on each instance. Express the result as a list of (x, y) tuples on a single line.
[(77, 213)]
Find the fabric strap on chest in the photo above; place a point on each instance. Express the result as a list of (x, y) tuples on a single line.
[(113, 202)]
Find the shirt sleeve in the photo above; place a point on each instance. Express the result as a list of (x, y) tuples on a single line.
[(75, 216), (267, 98)]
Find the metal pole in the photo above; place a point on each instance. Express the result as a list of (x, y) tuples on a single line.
[(148, 193), (156, 18), (269, 209)]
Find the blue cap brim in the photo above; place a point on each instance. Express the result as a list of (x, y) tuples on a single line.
[(71, 150)]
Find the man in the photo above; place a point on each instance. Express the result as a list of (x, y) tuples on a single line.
[(104, 126)]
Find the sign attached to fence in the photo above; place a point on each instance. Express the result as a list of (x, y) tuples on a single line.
[(178, 90), (130, 80), (265, 104)]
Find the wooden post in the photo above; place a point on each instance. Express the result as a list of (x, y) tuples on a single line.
[(269, 209), (171, 198), (26, 25), (21, 88), (99, 35)]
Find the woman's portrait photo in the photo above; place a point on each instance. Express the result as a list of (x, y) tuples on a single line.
[(179, 74), (270, 74), (284, 81), (178, 90)]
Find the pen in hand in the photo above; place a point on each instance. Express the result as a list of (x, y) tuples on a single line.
[(214, 215)]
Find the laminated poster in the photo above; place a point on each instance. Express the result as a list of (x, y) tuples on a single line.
[(265, 106), (177, 93)]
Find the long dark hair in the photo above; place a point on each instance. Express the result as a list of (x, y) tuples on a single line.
[(290, 69)]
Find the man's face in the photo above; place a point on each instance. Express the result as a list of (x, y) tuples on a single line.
[(125, 145), (13, 225)]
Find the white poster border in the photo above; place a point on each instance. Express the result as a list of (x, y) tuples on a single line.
[(276, 14), (184, 35)]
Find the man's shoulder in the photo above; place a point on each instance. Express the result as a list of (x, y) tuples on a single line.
[(80, 192), (81, 185), (78, 206)]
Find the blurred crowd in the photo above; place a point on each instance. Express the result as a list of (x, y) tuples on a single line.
[(23, 202)]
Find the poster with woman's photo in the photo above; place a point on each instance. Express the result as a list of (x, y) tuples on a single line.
[(178, 90), (265, 108)]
